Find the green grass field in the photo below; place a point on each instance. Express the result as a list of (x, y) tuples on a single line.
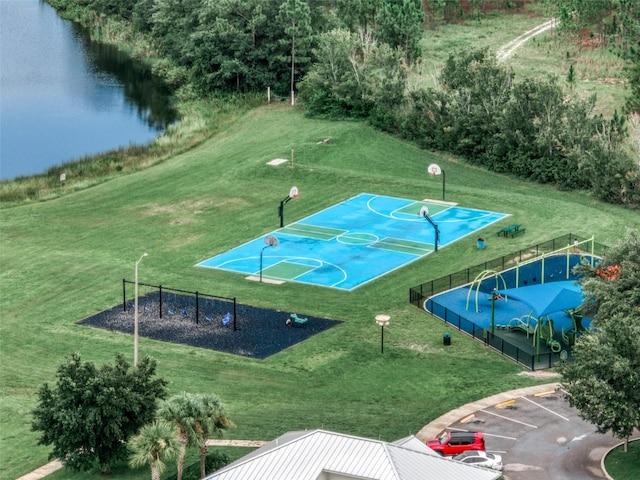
[(65, 259), (623, 465)]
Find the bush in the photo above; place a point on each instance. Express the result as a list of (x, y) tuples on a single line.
[(214, 461)]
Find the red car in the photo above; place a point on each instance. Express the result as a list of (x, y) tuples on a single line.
[(453, 443)]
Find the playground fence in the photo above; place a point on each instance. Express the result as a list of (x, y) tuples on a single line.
[(181, 300), (420, 293)]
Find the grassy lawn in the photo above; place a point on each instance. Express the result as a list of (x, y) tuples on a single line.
[(623, 465), (597, 70), (65, 259)]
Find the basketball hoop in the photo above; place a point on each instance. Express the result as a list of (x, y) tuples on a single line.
[(293, 193), (434, 169)]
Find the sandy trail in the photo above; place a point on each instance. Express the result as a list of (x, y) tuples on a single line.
[(509, 49)]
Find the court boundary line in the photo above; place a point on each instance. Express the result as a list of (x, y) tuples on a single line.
[(413, 249)]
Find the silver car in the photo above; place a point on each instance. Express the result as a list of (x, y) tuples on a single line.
[(480, 459)]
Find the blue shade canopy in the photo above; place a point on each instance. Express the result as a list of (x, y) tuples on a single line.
[(547, 298)]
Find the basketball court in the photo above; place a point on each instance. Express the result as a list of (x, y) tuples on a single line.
[(353, 242)]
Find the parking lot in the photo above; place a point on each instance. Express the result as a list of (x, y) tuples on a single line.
[(537, 433)]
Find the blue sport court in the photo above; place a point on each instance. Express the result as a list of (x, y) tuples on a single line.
[(353, 242)]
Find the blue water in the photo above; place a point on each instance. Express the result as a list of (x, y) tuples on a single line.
[(63, 97)]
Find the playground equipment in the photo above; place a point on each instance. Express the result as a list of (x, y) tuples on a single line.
[(477, 283), (494, 295), (541, 329), (526, 323), (545, 331), (295, 320), (570, 332)]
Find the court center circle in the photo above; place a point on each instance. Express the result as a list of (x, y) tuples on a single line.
[(357, 238)]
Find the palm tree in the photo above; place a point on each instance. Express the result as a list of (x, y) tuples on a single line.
[(210, 421), (156, 443), (181, 410)]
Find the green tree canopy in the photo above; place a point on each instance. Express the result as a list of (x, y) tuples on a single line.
[(195, 418), (91, 412), (154, 445), (604, 381), (400, 26)]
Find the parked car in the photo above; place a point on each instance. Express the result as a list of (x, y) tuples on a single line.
[(480, 458), (453, 443)]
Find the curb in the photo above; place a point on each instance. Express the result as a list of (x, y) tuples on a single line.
[(437, 426), (604, 457)]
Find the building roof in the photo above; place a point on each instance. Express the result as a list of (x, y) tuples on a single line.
[(324, 455)]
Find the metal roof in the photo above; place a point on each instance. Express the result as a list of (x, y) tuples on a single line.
[(324, 455)]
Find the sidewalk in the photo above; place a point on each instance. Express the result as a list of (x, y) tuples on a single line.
[(56, 464)]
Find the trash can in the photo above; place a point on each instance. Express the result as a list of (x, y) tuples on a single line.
[(480, 244), (446, 339)]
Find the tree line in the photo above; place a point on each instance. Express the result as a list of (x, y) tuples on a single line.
[(353, 58)]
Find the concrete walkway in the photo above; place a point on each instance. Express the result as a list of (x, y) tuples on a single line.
[(42, 471), (56, 464)]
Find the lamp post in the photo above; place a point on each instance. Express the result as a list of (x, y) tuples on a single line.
[(383, 321), (135, 314)]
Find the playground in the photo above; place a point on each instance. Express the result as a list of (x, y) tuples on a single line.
[(537, 306), (244, 330)]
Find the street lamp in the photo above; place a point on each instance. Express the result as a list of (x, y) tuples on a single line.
[(293, 193), (383, 321), (135, 314)]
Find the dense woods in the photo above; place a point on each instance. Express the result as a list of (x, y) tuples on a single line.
[(353, 59)]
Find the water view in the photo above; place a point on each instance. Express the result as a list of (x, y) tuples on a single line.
[(63, 97)]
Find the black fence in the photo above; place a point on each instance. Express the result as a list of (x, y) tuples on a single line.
[(420, 293), (185, 302)]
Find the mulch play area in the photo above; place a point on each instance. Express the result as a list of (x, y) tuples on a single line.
[(256, 332)]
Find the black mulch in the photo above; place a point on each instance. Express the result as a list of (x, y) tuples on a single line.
[(256, 332)]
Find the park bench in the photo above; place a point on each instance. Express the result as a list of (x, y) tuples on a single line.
[(507, 230), (511, 230), (517, 232)]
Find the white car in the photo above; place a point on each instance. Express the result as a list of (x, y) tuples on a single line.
[(480, 459)]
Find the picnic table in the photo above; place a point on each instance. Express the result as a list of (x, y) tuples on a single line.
[(511, 230)]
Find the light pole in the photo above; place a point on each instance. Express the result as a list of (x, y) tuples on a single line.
[(383, 321), (135, 314)]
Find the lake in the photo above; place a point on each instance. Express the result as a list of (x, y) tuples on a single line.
[(63, 96)]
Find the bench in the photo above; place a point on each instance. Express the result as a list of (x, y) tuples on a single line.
[(517, 232), (296, 320), (509, 230)]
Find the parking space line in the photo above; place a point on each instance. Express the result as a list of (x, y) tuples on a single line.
[(510, 419), (499, 436), (547, 409)]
